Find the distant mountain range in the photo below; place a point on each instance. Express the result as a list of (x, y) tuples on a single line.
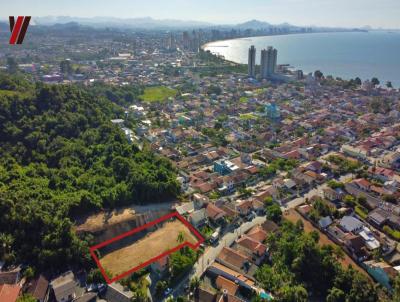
[(143, 23), (150, 23)]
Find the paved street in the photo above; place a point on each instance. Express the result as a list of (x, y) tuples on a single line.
[(316, 191), (211, 253)]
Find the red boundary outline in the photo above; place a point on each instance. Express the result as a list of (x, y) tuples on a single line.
[(141, 228)]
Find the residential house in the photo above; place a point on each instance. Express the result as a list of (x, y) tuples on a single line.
[(269, 227), (38, 288), (9, 293), (198, 218), (233, 259), (118, 293), (239, 278), (351, 224), (258, 206), (252, 248), (245, 207), (225, 284), (64, 287), (356, 245), (87, 297), (331, 194), (362, 184), (325, 222), (267, 191), (224, 167), (370, 241), (257, 233), (214, 213), (10, 277), (382, 174)]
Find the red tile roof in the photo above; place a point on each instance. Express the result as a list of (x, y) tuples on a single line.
[(232, 257), (253, 245), (214, 212), (9, 293), (257, 233), (223, 283)]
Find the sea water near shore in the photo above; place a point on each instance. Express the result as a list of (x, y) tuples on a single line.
[(344, 54)]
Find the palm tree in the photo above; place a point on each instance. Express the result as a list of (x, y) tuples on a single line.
[(6, 240), (194, 283), (181, 237)]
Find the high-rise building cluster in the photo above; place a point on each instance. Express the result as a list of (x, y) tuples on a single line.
[(192, 41), (267, 63)]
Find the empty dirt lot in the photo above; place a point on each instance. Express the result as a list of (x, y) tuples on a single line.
[(154, 244)]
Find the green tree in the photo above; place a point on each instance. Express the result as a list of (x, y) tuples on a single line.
[(274, 212), (389, 84), (27, 298), (336, 295), (293, 294), (396, 289), (180, 238), (357, 80), (29, 273), (160, 287), (318, 74), (6, 241), (194, 283), (375, 81), (95, 276)]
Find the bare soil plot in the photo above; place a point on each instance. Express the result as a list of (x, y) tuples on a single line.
[(293, 216), (152, 245), (100, 221)]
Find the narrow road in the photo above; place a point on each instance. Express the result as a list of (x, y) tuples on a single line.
[(315, 191), (212, 252)]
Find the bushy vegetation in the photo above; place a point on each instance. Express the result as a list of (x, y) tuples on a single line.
[(61, 157), (345, 165), (300, 270), (279, 164)]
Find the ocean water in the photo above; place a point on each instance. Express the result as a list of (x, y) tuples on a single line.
[(345, 55)]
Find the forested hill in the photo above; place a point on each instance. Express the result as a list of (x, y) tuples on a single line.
[(61, 156)]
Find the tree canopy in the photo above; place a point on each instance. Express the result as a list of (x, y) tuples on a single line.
[(300, 267), (62, 157)]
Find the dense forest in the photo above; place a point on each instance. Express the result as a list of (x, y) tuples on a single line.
[(61, 157)]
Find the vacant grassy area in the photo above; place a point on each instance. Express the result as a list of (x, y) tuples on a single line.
[(154, 244), (157, 94), (243, 99), (247, 116)]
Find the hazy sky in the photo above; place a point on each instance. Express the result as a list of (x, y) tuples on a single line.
[(349, 13)]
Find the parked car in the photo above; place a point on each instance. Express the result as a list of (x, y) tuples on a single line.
[(167, 292)]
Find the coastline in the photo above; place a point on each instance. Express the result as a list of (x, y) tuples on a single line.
[(383, 72), (288, 34)]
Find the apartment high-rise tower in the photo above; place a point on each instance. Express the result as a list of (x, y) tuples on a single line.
[(268, 62), (252, 62)]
